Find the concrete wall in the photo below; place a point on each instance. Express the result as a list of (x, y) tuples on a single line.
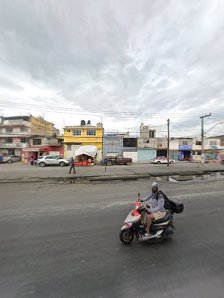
[(40, 126), (112, 145), (133, 155), (174, 144), (70, 153), (208, 143)]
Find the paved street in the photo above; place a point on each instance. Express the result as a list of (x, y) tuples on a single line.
[(62, 241), (24, 171)]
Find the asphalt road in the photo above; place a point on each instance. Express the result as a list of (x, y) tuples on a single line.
[(62, 241)]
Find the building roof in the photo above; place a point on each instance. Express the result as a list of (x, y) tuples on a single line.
[(215, 137), (25, 118), (83, 126)]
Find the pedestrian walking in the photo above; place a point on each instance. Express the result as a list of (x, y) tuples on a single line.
[(72, 165)]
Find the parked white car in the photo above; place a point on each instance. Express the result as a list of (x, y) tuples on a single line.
[(162, 159), (52, 160), (11, 158)]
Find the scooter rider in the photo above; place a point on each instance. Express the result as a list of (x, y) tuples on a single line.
[(157, 211)]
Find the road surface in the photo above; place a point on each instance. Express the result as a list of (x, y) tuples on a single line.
[(62, 241)]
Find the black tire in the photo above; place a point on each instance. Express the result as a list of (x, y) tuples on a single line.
[(158, 162), (126, 236), (171, 162), (62, 164), (109, 163), (128, 163), (42, 164), (9, 161)]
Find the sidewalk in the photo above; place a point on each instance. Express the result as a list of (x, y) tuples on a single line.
[(18, 172)]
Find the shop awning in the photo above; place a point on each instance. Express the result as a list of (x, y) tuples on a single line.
[(87, 150)]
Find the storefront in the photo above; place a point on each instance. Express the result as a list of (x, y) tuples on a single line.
[(184, 152), (214, 153), (86, 156), (34, 153)]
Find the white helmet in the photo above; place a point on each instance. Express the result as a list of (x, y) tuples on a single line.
[(155, 184), (155, 187)]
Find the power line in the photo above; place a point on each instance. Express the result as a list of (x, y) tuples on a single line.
[(110, 113)]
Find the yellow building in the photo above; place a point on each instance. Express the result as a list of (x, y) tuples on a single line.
[(39, 126), (82, 135)]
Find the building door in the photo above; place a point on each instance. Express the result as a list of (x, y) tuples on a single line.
[(162, 152), (11, 151), (146, 154)]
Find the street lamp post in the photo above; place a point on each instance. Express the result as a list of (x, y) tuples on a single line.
[(202, 134), (168, 142), (222, 122)]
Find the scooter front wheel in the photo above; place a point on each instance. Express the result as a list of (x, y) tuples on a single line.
[(126, 236)]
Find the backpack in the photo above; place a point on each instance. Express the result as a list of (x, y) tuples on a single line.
[(167, 203)]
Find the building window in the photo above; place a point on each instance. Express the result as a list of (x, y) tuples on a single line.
[(77, 132), (8, 140), (23, 140), (68, 130), (91, 132), (198, 143), (130, 142), (213, 143), (69, 147), (151, 133), (23, 129), (8, 129), (37, 142)]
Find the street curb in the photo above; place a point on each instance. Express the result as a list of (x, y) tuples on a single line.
[(99, 178)]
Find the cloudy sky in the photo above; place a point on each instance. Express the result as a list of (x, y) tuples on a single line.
[(120, 62)]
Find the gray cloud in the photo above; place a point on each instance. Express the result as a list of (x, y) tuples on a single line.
[(139, 56)]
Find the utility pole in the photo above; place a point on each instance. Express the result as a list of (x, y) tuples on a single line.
[(202, 134), (168, 142)]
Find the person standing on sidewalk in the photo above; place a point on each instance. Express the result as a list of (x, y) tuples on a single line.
[(72, 165)]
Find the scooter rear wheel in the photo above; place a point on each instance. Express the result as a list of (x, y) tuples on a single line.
[(126, 236)]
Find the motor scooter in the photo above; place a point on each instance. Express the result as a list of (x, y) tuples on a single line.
[(160, 229)]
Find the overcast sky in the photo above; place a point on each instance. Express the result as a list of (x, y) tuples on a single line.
[(71, 60)]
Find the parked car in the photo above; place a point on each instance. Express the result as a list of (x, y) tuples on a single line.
[(117, 160), (52, 160), (162, 159), (11, 158)]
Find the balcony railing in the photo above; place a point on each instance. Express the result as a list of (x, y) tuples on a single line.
[(14, 133), (15, 123), (13, 145)]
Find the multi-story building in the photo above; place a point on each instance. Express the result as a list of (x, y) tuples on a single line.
[(21, 135), (14, 134), (213, 147), (149, 145), (82, 135)]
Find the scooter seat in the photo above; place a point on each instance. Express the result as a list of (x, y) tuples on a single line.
[(168, 216)]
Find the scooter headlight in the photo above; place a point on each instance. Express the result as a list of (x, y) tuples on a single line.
[(129, 224)]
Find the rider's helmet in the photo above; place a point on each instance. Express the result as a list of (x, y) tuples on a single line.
[(155, 187)]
